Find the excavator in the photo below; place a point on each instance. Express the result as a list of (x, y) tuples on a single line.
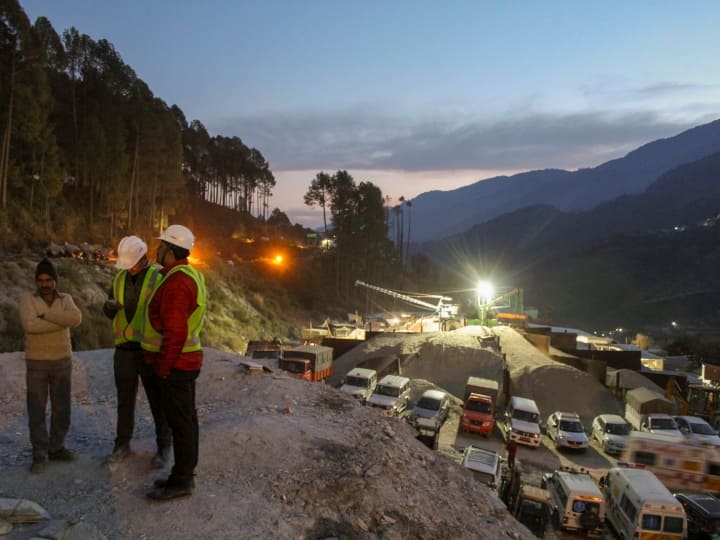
[(701, 400)]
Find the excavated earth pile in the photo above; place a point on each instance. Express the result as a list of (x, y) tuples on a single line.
[(279, 458)]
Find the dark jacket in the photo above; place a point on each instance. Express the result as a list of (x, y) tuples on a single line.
[(169, 311)]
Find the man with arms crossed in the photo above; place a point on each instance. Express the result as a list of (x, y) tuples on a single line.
[(47, 316)]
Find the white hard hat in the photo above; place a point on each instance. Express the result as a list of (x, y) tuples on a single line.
[(130, 250), (178, 235)]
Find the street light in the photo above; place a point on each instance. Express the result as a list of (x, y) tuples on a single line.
[(484, 295)]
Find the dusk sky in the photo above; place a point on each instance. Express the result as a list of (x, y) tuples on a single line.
[(418, 95)]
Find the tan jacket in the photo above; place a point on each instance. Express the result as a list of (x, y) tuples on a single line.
[(47, 328)]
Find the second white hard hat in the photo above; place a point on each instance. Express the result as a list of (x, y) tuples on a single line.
[(178, 235), (130, 250)]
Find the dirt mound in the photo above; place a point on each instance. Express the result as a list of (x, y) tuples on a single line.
[(279, 458), (446, 359), (563, 388)]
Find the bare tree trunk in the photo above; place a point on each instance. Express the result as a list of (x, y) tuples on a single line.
[(133, 182), (47, 213), (407, 250), (5, 156), (112, 219), (91, 191)]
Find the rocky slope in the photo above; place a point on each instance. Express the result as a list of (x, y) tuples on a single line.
[(279, 458)]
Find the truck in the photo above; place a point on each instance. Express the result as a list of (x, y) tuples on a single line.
[(641, 401), (263, 345), (308, 362), (479, 406)]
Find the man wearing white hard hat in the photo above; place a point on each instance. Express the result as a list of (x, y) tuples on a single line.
[(171, 339), (132, 287)]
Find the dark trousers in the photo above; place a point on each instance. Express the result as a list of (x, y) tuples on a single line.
[(43, 378), (128, 366), (178, 398)]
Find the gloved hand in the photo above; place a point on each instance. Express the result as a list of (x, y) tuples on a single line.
[(112, 305)]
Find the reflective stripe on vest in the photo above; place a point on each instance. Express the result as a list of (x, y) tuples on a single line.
[(132, 331), (152, 339)]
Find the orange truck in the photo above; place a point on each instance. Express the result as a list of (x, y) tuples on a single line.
[(479, 406), (308, 362)]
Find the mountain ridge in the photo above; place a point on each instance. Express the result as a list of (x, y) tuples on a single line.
[(604, 264), (441, 213)]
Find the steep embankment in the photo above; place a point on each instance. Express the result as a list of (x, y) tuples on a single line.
[(279, 458), (240, 308)]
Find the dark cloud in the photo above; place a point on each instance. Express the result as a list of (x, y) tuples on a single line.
[(665, 88), (364, 139)]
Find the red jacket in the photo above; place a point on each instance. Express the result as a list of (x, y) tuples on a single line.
[(169, 311)]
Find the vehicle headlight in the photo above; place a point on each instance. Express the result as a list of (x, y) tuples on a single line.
[(536, 435)]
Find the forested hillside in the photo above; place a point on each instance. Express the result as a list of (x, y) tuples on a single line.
[(89, 152)]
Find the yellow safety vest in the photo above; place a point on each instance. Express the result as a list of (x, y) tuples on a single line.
[(123, 330), (151, 338)]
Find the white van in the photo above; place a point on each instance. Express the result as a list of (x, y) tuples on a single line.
[(680, 466), (522, 421), (579, 503), (640, 506), (360, 383)]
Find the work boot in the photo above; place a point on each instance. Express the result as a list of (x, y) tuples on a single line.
[(164, 482), (119, 454), (38, 465), (160, 459), (169, 492), (62, 455)]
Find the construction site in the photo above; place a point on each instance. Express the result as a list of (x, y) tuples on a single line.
[(319, 462)]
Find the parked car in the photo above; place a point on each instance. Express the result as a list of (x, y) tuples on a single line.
[(485, 465), (611, 431), (697, 429), (392, 394), (662, 424), (522, 421), (579, 503), (567, 431), (431, 411), (703, 514), (360, 383)]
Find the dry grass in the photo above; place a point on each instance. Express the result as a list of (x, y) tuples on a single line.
[(235, 315)]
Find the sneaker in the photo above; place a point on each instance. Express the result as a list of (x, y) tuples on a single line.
[(160, 459), (62, 455), (169, 492), (38, 465), (119, 454)]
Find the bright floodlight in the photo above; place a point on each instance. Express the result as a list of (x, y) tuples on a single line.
[(484, 290)]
